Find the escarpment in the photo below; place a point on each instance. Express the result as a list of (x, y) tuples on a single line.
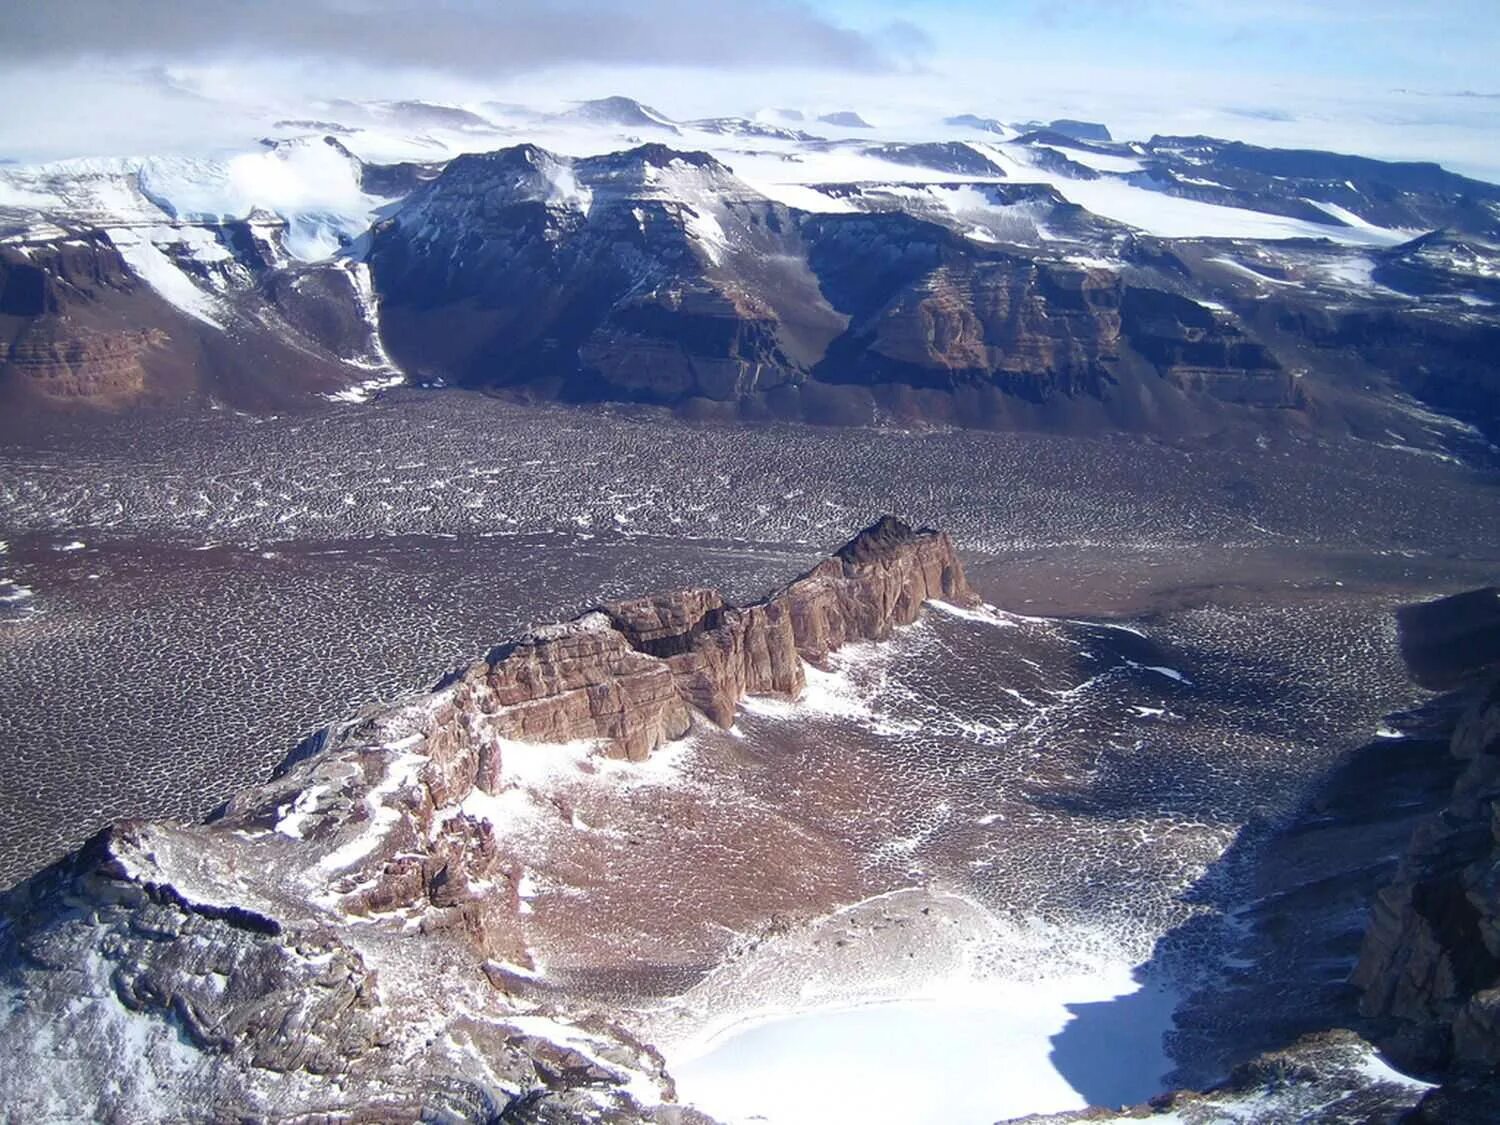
[(364, 914), (1429, 970), (630, 672)]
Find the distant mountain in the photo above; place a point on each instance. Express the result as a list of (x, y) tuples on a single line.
[(625, 112), (1081, 130), (745, 127), (942, 156), (981, 124), (1205, 282), (846, 119)]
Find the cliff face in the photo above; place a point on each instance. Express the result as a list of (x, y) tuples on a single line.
[(655, 275), (100, 319), (1430, 965), (629, 672), (649, 275), (349, 939)]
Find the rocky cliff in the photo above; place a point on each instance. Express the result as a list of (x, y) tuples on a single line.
[(630, 673), (1430, 966), (112, 296), (650, 274), (347, 942), (657, 275)]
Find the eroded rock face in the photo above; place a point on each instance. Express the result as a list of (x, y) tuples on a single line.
[(81, 327), (583, 680), (1430, 964), (630, 672), (655, 275), (348, 939), (651, 275)]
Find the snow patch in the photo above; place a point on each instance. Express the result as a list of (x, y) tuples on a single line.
[(164, 276)]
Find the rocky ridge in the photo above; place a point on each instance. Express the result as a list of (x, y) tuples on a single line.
[(345, 941), (1430, 966)]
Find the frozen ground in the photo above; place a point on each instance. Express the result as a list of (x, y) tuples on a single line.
[(837, 1065), (240, 580), (1184, 639)]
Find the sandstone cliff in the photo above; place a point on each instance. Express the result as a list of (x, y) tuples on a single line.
[(631, 672), (349, 940)]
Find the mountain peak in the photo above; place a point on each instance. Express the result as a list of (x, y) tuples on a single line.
[(846, 118), (619, 110)]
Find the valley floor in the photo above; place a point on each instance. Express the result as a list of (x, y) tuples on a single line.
[(1184, 642)]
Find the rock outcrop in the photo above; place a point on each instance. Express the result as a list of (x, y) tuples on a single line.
[(1430, 966), (631, 672), (348, 941)]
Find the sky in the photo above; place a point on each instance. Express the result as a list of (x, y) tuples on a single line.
[(1411, 79)]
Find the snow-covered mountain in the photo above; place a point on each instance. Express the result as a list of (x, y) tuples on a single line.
[(339, 249)]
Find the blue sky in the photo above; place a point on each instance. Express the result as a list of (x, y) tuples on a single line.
[(1442, 44)]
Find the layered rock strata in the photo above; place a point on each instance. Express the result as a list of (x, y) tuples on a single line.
[(347, 942)]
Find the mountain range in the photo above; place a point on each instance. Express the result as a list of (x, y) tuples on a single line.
[(1039, 275)]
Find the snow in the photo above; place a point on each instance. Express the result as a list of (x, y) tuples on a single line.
[(1000, 1042), (399, 773), (164, 276), (1376, 1069), (1102, 162), (1168, 216), (707, 232), (366, 390), (1351, 219), (1170, 673), (152, 1062), (984, 614), (295, 815), (311, 185)]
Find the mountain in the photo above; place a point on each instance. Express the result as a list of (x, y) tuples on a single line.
[(625, 112), (161, 280), (746, 127), (351, 938), (649, 274), (845, 119), (980, 124), (658, 276), (1330, 291), (1081, 130)]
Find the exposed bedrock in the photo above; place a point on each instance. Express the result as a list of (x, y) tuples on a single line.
[(1430, 965), (349, 941), (631, 671), (658, 276), (82, 326)]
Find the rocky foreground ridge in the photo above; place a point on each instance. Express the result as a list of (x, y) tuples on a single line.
[(343, 943)]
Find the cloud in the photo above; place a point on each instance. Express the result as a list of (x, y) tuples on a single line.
[(475, 38)]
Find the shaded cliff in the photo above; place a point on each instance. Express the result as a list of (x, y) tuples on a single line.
[(658, 276), (1430, 966)]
